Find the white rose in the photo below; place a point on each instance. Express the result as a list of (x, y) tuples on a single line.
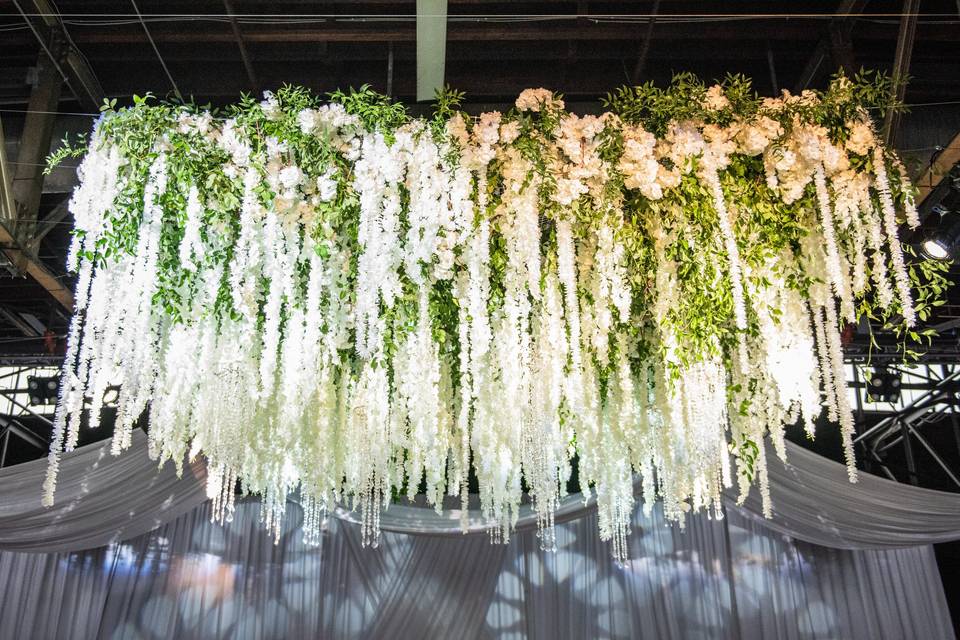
[(308, 120), (327, 186), (291, 177)]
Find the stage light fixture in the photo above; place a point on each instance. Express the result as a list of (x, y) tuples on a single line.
[(937, 248), (111, 396), (42, 389), (942, 244), (884, 385)]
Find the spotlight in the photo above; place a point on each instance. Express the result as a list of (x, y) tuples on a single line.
[(42, 390), (942, 244), (937, 248), (884, 385), (111, 396)]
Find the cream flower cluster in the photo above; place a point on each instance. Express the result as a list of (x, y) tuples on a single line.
[(490, 299), (538, 100)]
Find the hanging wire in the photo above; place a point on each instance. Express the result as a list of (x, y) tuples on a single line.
[(163, 64), (719, 14), (910, 105), (55, 113), (69, 38), (42, 40), (119, 19)]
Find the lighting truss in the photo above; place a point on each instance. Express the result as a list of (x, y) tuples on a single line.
[(927, 401), (16, 405)]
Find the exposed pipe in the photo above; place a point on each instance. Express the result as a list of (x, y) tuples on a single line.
[(390, 69), (645, 47), (773, 71), (901, 67)]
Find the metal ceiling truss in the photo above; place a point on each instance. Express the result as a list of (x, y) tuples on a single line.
[(927, 406), (16, 411)]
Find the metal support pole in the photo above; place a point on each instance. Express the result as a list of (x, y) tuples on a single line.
[(841, 23), (860, 422), (940, 461), (901, 67), (29, 411), (883, 465), (773, 71), (6, 444), (908, 452), (645, 46), (953, 415), (390, 69), (10, 424), (841, 47), (242, 45), (920, 403)]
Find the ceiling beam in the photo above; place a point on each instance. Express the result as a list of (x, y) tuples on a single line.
[(23, 261), (541, 51), (33, 146), (31, 266), (932, 186), (50, 222), (43, 19), (17, 320), (939, 168), (568, 29)]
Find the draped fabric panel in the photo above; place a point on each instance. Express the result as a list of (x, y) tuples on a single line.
[(813, 500), (730, 578), (102, 498)]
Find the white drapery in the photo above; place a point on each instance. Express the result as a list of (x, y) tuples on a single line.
[(102, 499), (716, 579), (735, 578)]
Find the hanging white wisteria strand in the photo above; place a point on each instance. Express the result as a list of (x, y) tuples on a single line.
[(345, 303)]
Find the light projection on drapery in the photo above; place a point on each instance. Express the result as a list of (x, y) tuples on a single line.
[(343, 301), (195, 579)]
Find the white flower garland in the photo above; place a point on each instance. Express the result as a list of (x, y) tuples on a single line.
[(900, 277), (404, 306), (730, 244), (838, 275)]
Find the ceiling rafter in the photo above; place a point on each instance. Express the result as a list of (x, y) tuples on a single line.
[(834, 42), (42, 18)]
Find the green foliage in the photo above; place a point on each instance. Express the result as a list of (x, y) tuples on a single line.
[(377, 111), (929, 281), (75, 149), (655, 107), (445, 105)]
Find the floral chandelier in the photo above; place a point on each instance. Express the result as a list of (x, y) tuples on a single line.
[(350, 303)]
